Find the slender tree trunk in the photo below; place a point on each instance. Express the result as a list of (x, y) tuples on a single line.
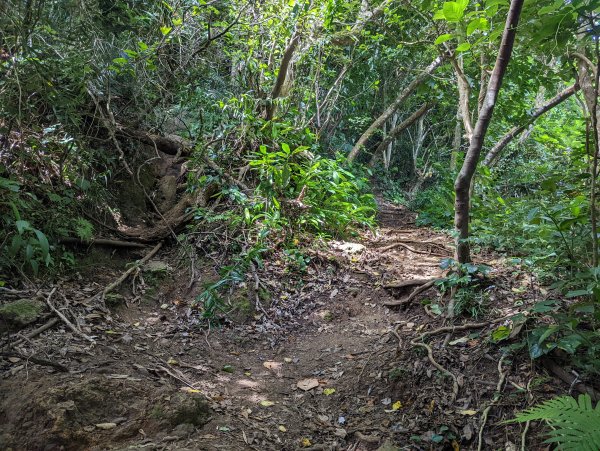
[(462, 184), (282, 74), (403, 126), (515, 131), (464, 91), (456, 141), (393, 107)]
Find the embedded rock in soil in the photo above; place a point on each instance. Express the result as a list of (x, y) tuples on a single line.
[(21, 312)]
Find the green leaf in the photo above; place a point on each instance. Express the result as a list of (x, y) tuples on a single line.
[(454, 11), (463, 47), (165, 30), (22, 225), (477, 24), (443, 38), (42, 241), (501, 333)]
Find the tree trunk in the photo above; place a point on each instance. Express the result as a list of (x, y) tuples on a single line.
[(393, 107), (282, 74), (506, 139), (403, 126), (463, 181)]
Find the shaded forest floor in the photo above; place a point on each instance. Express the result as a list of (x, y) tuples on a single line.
[(324, 366)]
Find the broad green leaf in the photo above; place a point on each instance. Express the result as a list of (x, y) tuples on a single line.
[(443, 38), (463, 47)]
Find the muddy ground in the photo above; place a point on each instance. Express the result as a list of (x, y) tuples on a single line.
[(321, 364)]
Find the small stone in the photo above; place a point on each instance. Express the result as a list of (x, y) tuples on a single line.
[(340, 432), (106, 426)]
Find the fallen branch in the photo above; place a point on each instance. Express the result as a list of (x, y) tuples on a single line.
[(65, 320), (102, 242), (486, 412), (411, 296), (127, 273), (570, 379), (35, 360), (34, 333)]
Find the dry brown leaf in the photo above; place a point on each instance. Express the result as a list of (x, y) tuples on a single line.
[(307, 384)]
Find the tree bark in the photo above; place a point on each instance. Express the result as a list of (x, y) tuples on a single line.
[(465, 176), (282, 74), (417, 81), (515, 131), (464, 91), (403, 126)]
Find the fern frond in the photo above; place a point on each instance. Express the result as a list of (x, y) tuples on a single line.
[(575, 422)]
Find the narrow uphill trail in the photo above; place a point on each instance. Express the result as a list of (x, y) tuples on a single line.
[(324, 364)]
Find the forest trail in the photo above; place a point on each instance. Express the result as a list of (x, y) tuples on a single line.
[(326, 366)]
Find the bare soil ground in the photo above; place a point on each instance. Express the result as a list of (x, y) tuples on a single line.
[(325, 366)]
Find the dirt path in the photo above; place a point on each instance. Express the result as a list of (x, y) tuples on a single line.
[(330, 368)]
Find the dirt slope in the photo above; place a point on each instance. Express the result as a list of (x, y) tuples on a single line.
[(325, 366)]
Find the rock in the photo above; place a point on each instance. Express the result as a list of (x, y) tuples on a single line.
[(106, 426), (340, 432), (21, 312)]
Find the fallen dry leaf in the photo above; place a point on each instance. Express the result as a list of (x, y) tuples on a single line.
[(307, 384)]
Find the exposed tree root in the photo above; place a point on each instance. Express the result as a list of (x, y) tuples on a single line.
[(407, 247), (486, 412), (35, 360), (102, 242), (426, 285), (443, 370), (65, 320), (407, 283), (419, 343), (127, 273)]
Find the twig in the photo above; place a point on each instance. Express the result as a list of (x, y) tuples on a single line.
[(256, 287), (34, 333), (65, 320), (486, 412), (35, 360), (127, 273)]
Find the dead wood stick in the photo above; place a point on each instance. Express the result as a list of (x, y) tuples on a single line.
[(102, 242), (65, 320), (570, 379), (408, 248), (35, 360), (34, 333), (127, 273), (411, 296)]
